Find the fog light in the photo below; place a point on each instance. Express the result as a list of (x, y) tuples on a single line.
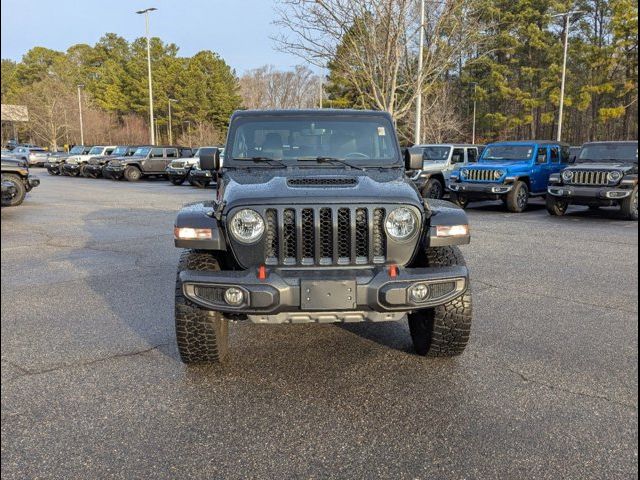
[(233, 296), (419, 293)]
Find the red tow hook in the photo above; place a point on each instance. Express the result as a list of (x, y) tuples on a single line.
[(262, 272), (393, 271)]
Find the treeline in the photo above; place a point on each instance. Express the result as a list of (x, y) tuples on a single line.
[(505, 54), (113, 76)]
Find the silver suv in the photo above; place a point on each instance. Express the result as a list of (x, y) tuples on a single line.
[(439, 160)]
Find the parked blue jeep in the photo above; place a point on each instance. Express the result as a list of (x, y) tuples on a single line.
[(510, 171)]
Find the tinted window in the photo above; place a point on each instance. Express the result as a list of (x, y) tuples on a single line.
[(473, 155), (458, 155), (609, 152), (156, 153), (109, 151), (555, 155), (565, 154), (436, 154), (172, 153), (359, 139), (542, 155), (516, 153)]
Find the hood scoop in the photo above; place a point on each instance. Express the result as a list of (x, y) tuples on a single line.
[(336, 182)]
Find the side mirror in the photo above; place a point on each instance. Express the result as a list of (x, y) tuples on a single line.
[(413, 158), (210, 159)]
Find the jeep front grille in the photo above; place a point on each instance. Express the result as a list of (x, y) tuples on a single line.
[(477, 175), (325, 236), (589, 177)]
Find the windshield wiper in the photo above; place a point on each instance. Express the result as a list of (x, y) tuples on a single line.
[(331, 160), (270, 161)]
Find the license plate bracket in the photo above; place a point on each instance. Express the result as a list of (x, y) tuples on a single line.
[(328, 295)]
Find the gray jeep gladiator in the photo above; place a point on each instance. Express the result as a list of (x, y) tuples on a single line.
[(314, 220)]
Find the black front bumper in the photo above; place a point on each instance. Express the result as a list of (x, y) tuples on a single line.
[(589, 195), (492, 191), (71, 167), (93, 168), (334, 290), (114, 172), (202, 175), (177, 172)]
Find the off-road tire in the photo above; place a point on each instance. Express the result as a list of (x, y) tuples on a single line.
[(434, 188), (73, 173), (555, 207), (83, 171), (629, 205), (177, 181), (132, 174), (21, 190), (53, 172), (201, 183), (443, 331), (461, 200), (518, 198), (202, 335)]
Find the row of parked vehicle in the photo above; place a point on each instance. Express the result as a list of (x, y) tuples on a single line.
[(598, 174), (131, 163)]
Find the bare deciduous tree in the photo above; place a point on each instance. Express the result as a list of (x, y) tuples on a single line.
[(373, 43), (266, 87)]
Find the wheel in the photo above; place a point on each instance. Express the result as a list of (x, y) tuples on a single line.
[(202, 335), (177, 180), (443, 331), (629, 206), (433, 189), (201, 183), (83, 171), (73, 173), (132, 174), (518, 198), (461, 200), (105, 172), (18, 198), (53, 172), (556, 207)]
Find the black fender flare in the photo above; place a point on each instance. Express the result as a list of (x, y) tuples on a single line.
[(445, 214), (200, 215)]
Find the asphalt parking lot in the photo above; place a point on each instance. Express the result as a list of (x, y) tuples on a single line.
[(92, 385)]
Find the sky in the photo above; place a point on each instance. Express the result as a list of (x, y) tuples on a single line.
[(238, 30)]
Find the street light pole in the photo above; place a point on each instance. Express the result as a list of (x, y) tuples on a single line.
[(475, 105), (171, 100), (146, 23), (80, 86), (567, 25), (418, 125)]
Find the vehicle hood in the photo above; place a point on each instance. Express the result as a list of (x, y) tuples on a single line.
[(523, 165), (627, 167), (80, 158), (433, 166), (124, 160), (317, 186)]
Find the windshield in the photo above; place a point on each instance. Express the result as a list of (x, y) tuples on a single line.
[(76, 150), (142, 152), (96, 150), (508, 153), (436, 154), (609, 152), (119, 151), (359, 140)]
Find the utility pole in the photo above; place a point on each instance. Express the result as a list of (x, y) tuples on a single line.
[(145, 12), (188, 122), (80, 87), (171, 100), (567, 26), (418, 126)]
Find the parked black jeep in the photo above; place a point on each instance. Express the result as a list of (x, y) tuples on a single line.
[(605, 175), (95, 167), (16, 181), (315, 221), (145, 161), (56, 161)]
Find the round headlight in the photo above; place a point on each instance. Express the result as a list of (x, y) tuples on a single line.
[(464, 172), (567, 175), (497, 175), (615, 176), (401, 223), (247, 226)]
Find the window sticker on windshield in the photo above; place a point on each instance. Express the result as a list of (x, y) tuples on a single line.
[(382, 132)]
